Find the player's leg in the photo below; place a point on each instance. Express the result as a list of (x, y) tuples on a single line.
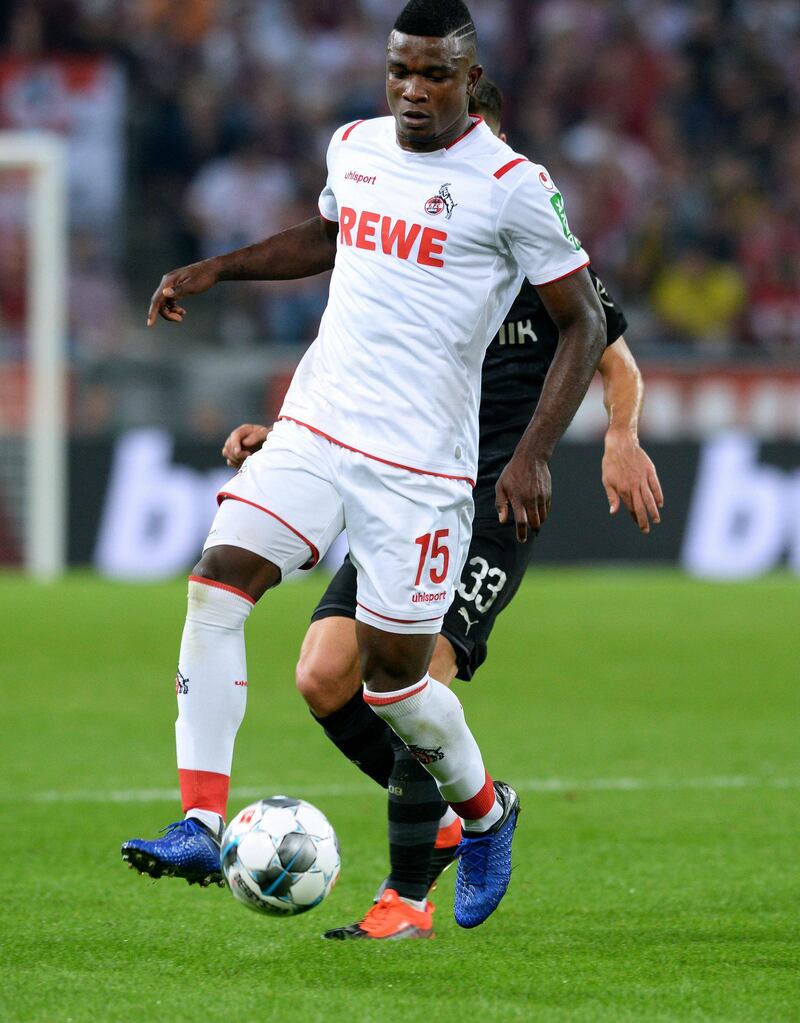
[(328, 672), (423, 830), (494, 569), (423, 833), (444, 668), (278, 516), (421, 841), (405, 585), (430, 720), (212, 680), (211, 689), (328, 677)]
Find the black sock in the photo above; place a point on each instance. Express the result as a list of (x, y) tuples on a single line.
[(415, 809), (363, 737)]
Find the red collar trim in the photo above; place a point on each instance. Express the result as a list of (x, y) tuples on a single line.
[(472, 127)]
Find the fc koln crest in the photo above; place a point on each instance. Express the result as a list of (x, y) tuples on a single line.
[(440, 203), (426, 756)]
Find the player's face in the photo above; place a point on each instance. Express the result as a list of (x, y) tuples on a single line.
[(428, 85)]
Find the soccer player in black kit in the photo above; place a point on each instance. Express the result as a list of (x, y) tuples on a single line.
[(423, 830)]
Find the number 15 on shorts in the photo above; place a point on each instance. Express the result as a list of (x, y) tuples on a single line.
[(434, 555)]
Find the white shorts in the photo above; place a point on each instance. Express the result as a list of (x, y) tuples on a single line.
[(408, 532)]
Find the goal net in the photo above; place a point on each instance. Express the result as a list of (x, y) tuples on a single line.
[(33, 434)]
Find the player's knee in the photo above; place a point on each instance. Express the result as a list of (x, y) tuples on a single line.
[(241, 569), (310, 681), (391, 662), (325, 685), (207, 568)]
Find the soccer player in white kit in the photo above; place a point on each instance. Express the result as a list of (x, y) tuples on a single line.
[(430, 224)]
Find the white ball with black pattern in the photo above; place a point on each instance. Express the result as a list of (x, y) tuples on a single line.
[(280, 856)]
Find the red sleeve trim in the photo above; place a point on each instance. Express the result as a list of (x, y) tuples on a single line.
[(221, 586), (349, 131), (399, 621), (223, 495), (374, 700), (510, 166), (543, 284), (375, 458)]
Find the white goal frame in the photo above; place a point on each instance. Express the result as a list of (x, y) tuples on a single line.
[(44, 155)]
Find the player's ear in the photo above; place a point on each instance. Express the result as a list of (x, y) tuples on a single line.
[(473, 77), (503, 137)]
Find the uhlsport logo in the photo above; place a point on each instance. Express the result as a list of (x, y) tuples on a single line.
[(428, 598), (361, 179), (440, 203), (181, 684)]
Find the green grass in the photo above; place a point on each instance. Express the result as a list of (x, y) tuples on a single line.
[(656, 879)]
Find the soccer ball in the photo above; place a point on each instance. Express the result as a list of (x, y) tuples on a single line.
[(280, 856)]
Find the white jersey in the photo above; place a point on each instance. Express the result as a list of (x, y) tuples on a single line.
[(431, 252)]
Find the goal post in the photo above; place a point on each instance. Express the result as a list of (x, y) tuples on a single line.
[(43, 156)]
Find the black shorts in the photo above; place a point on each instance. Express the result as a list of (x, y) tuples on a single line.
[(495, 566)]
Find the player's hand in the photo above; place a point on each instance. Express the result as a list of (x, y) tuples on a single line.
[(526, 487), (177, 284), (630, 478), (242, 442)]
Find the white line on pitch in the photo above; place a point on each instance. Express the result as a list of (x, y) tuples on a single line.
[(164, 795)]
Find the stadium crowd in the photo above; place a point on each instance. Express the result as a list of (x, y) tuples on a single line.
[(671, 126)]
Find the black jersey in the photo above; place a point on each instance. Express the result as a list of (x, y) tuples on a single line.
[(514, 370)]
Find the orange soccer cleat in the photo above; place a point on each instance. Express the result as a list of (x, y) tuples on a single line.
[(389, 919)]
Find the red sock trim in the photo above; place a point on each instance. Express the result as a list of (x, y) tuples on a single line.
[(204, 790), (222, 586), (480, 804), (376, 700)]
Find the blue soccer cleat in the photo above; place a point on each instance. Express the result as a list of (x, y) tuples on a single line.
[(484, 864), (188, 849)]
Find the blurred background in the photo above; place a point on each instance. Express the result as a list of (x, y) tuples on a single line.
[(192, 128)]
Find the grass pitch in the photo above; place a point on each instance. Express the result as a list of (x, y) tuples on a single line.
[(650, 723)]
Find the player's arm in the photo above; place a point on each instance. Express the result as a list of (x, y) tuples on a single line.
[(301, 251), (525, 484), (629, 476)]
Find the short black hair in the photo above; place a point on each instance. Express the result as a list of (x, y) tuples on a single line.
[(437, 18), (487, 100)]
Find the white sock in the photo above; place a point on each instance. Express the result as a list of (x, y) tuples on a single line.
[(448, 817), (212, 693), (483, 823), (209, 818), (430, 720), (419, 904)]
